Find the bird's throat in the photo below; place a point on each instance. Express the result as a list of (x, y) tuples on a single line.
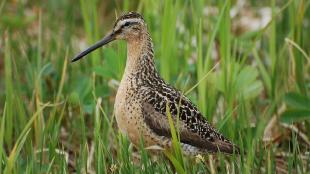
[(140, 54)]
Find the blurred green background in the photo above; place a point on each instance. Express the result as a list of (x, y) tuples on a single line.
[(248, 61)]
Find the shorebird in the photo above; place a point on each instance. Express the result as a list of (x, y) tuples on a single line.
[(143, 97)]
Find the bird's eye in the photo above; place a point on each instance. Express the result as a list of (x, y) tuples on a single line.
[(126, 24)]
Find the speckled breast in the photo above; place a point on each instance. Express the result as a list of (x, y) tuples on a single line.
[(128, 111)]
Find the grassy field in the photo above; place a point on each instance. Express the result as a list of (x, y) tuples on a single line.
[(246, 64)]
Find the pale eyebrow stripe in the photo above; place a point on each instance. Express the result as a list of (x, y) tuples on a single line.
[(121, 24), (130, 20)]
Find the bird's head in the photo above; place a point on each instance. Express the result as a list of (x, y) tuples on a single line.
[(127, 27)]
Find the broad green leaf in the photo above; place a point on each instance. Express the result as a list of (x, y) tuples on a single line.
[(297, 101), (104, 71), (245, 83), (295, 115)]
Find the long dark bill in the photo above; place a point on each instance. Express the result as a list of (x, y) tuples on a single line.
[(108, 38)]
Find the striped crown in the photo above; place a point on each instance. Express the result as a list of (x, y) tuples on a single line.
[(129, 15)]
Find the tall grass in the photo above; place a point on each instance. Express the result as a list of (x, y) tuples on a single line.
[(57, 117)]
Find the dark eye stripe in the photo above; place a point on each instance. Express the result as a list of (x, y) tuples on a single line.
[(126, 24), (129, 23)]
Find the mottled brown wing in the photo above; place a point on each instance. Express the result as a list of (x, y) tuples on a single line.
[(159, 124)]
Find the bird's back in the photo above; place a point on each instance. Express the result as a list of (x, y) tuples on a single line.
[(196, 134)]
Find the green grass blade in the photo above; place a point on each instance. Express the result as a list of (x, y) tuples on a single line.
[(176, 146), (2, 137), (20, 141), (176, 163)]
